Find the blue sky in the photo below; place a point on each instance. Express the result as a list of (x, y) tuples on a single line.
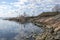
[(8, 1), (12, 8)]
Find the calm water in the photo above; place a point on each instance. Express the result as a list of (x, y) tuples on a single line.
[(10, 30)]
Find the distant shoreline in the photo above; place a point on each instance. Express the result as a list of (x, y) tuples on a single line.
[(48, 20)]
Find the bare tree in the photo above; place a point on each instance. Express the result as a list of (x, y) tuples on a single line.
[(25, 14)]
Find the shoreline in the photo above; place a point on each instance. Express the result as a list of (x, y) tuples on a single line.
[(50, 21)]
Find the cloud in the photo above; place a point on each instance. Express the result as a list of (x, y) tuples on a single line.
[(22, 1), (29, 6), (7, 11), (3, 2), (34, 6), (56, 1)]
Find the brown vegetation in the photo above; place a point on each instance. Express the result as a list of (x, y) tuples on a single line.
[(50, 21)]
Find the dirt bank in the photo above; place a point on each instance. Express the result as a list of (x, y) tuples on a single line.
[(50, 21)]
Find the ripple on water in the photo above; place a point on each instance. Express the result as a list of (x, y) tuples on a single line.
[(10, 30)]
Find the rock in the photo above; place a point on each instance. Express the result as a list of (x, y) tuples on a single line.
[(50, 21)]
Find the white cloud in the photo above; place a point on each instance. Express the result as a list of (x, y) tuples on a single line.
[(5, 11), (22, 1), (56, 1), (3, 2), (32, 7)]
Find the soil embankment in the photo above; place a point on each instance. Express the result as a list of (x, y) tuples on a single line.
[(48, 20)]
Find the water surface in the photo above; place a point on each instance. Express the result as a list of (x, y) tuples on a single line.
[(10, 30)]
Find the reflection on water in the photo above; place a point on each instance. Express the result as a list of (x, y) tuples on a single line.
[(10, 30)]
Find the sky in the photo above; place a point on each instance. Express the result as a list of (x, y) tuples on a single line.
[(13, 8)]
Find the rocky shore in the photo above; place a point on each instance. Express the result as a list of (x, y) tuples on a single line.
[(50, 21)]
